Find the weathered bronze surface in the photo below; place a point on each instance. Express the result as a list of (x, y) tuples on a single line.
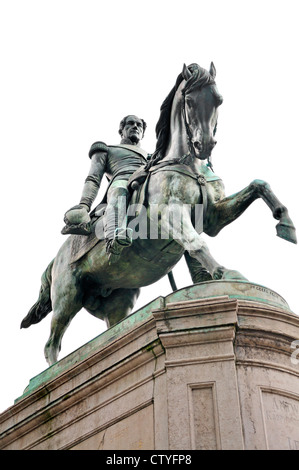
[(119, 163), (179, 175)]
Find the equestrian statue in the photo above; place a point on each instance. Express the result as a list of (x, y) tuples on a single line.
[(153, 213)]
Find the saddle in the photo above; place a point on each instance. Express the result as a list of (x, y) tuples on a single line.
[(137, 186), (82, 244)]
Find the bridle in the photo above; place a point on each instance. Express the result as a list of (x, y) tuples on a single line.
[(190, 143), (187, 127)]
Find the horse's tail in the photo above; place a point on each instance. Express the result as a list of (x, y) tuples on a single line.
[(43, 306)]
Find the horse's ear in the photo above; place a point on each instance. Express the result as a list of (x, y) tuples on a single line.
[(186, 72), (212, 70)]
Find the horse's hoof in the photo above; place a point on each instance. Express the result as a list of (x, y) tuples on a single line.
[(232, 275), (228, 275), (286, 231), (218, 273)]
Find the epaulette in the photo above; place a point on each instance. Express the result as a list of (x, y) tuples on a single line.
[(97, 147)]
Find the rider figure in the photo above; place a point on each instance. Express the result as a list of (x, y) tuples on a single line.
[(118, 162)]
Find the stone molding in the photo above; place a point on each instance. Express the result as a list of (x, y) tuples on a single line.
[(191, 374)]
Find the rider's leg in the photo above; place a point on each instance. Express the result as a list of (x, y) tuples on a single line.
[(116, 233)]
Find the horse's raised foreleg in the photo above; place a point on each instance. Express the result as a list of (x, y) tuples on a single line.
[(228, 209)]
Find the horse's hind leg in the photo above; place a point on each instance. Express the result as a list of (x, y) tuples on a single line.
[(114, 308), (66, 304), (204, 266)]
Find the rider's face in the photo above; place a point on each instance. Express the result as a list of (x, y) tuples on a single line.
[(133, 129)]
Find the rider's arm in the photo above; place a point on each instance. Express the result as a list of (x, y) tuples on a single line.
[(93, 180), (77, 218), (98, 155)]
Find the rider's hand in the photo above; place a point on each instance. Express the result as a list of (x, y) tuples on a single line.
[(77, 215), (77, 221)]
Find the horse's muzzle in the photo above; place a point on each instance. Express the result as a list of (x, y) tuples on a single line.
[(203, 150)]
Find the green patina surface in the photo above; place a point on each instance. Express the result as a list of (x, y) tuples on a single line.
[(85, 351), (233, 289), (176, 197)]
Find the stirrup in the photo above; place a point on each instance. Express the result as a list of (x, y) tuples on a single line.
[(122, 239), (124, 236)]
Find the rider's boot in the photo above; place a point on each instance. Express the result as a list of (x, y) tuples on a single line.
[(122, 239)]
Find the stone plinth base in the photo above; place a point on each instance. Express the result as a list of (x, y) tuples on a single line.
[(185, 372)]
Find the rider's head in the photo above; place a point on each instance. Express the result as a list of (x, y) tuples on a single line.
[(131, 129)]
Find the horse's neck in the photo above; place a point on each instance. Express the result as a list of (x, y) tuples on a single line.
[(178, 139), (175, 149), (201, 167), (178, 147)]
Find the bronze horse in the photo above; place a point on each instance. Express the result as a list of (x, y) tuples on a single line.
[(179, 177)]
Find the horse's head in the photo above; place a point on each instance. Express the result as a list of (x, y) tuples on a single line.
[(200, 101), (188, 117)]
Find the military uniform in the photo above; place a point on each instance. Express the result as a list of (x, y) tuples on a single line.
[(118, 162)]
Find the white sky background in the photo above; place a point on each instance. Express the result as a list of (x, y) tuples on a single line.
[(70, 70)]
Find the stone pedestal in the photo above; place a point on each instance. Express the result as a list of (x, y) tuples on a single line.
[(209, 367)]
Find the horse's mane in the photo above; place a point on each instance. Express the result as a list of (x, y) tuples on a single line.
[(199, 77)]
